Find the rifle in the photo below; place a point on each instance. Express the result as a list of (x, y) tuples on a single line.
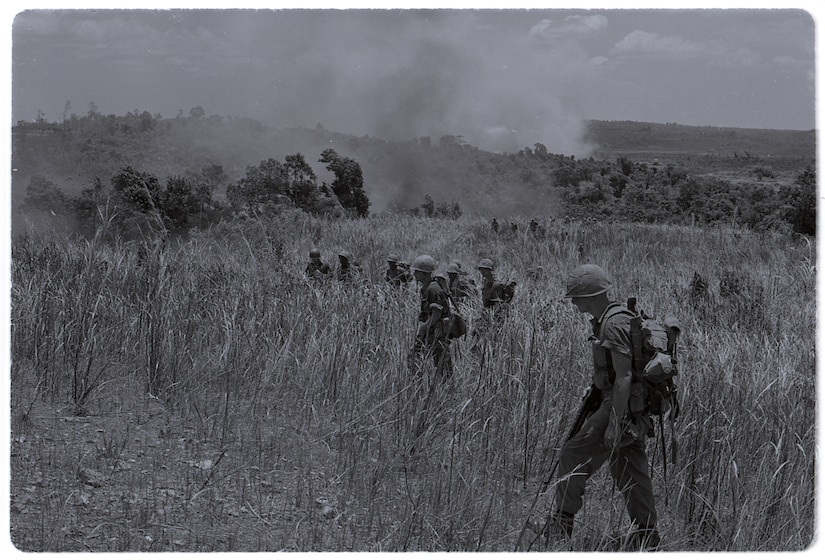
[(590, 403)]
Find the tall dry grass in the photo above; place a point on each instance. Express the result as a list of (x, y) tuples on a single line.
[(287, 409)]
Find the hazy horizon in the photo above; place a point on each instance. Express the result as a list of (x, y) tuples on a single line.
[(501, 79)]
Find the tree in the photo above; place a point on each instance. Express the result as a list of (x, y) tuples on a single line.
[(302, 184), (43, 195), (264, 183), (800, 202), (86, 207), (136, 190), (349, 182), (180, 202)]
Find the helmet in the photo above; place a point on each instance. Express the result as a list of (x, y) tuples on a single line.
[(393, 258), (314, 254), (587, 280), (485, 263), (424, 263), (346, 255)]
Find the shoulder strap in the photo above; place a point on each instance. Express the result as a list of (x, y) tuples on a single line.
[(612, 310)]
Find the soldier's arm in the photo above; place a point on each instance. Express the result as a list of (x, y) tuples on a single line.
[(621, 393)]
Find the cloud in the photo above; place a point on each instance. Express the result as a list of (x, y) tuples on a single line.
[(549, 31), (646, 43), (653, 45)]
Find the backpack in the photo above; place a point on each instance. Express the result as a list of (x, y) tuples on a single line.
[(654, 360), (454, 324), (457, 325)]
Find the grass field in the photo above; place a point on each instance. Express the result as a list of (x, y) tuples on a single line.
[(204, 396)]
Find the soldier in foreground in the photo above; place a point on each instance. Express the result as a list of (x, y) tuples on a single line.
[(609, 433), (431, 338), (316, 268)]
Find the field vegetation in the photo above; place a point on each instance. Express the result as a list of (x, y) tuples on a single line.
[(201, 394)]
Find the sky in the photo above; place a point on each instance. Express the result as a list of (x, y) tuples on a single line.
[(502, 78)]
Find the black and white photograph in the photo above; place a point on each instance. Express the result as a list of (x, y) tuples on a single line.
[(381, 279)]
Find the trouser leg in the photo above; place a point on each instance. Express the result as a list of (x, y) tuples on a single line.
[(580, 457), (630, 472)]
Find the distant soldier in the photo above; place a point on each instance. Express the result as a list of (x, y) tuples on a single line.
[(494, 225), (431, 338), (459, 288), (494, 295), (397, 272), (495, 299), (347, 267), (316, 268)]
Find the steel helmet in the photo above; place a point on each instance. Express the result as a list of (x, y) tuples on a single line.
[(454, 268), (346, 255), (393, 258), (587, 280), (314, 254), (485, 263), (424, 263)]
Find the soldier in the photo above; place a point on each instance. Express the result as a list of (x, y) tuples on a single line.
[(431, 338), (609, 433), (316, 268), (494, 225), (397, 273), (459, 288), (495, 299), (346, 266), (495, 296)]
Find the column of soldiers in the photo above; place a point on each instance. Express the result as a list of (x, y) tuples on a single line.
[(608, 433)]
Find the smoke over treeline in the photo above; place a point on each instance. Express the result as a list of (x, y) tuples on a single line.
[(398, 175)]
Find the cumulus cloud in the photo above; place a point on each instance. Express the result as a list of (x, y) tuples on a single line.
[(549, 31), (645, 42), (653, 45)]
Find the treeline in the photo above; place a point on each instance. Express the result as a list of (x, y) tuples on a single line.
[(143, 148), (136, 205), (639, 192)]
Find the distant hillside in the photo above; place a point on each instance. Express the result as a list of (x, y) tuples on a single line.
[(674, 141), (397, 175)]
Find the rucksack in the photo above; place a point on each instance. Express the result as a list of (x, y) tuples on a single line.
[(654, 368), (454, 324), (654, 361)]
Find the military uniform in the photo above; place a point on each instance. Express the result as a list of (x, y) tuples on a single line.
[(609, 434), (395, 274), (585, 452), (347, 267), (459, 288), (316, 268), (434, 313)]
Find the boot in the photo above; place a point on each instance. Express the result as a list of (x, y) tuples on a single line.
[(559, 526), (643, 539)]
